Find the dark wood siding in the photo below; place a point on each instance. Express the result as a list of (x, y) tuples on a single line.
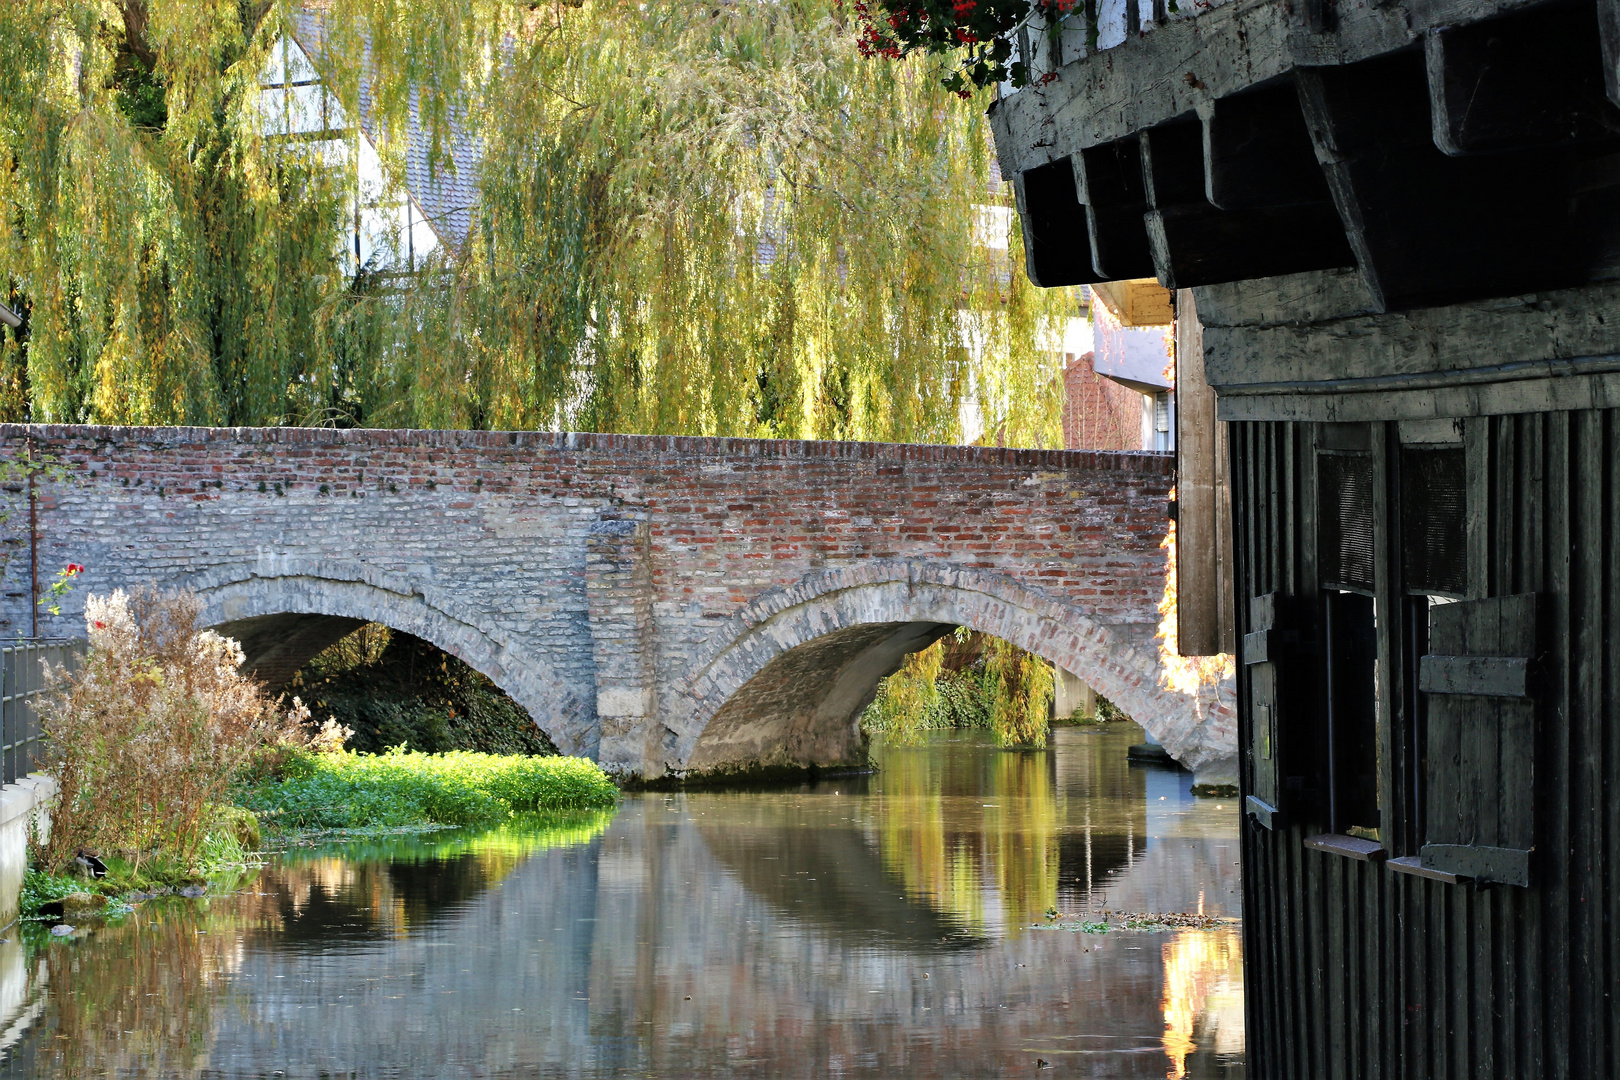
[(1355, 969)]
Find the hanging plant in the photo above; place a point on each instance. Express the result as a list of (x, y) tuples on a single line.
[(978, 34)]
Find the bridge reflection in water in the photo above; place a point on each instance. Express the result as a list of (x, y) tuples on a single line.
[(884, 924)]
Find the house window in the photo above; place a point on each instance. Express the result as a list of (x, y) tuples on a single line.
[(1351, 648), (1345, 556), (1345, 521), (1434, 541), (1434, 572)]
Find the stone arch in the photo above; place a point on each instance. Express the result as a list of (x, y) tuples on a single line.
[(850, 627), (286, 612)]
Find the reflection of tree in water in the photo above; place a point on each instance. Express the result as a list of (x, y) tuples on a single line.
[(995, 838), (974, 833), (1105, 808), (141, 999), (141, 996)]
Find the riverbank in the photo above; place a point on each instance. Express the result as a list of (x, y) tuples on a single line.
[(311, 797)]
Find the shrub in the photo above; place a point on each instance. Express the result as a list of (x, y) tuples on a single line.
[(402, 787), (145, 737)]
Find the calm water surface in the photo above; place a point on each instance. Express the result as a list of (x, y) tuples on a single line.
[(891, 924)]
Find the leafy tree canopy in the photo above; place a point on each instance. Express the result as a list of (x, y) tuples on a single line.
[(699, 219)]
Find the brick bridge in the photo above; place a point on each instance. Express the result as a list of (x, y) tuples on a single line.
[(661, 604)]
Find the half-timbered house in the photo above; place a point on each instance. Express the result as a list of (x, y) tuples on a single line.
[(1394, 229)]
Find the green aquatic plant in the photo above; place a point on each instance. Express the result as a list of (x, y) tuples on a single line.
[(402, 787), (512, 839), (40, 887)]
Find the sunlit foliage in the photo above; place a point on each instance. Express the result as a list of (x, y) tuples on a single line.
[(710, 219), (965, 680)]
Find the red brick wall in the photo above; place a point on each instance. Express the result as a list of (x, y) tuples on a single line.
[(1098, 413)]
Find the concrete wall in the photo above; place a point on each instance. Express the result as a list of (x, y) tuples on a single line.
[(23, 806), (624, 588)]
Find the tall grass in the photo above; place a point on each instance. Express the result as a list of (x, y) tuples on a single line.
[(352, 791)]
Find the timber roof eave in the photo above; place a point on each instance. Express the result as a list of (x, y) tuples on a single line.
[(1182, 68)]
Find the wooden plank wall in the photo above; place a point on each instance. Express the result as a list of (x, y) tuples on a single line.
[(1356, 971)]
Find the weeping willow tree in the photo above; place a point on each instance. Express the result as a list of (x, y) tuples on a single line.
[(697, 219), (967, 680)]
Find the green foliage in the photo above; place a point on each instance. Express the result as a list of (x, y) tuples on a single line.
[(350, 791), (908, 702), (40, 888), (1108, 712), (1019, 688), (710, 219), (967, 680), (391, 689)]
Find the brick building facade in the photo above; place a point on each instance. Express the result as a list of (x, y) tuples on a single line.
[(1098, 413)]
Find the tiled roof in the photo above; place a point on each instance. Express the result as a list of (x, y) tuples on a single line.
[(445, 195)]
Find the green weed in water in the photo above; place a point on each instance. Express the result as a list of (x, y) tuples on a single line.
[(354, 791)]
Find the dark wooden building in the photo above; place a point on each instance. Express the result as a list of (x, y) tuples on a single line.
[(1395, 228)]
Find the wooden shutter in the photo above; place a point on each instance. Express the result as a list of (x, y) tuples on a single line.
[(1434, 539), (1260, 647), (1481, 739), (1345, 520)]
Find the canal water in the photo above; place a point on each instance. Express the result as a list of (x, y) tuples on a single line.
[(937, 918)]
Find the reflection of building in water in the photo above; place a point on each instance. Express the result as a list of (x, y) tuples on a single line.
[(1203, 996), (1105, 809)]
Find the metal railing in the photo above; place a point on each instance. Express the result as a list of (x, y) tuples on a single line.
[(22, 680)]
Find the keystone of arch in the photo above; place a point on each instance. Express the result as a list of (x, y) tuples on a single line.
[(277, 585), (820, 603)]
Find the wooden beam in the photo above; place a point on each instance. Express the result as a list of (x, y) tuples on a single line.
[(1056, 249), (1509, 866), (1138, 302), (1608, 12), (1204, 614), (1426, 228), (1483, 676), (1258, 152), (1109, 179), (1196, 243), (1530, 78), (1351, 847)]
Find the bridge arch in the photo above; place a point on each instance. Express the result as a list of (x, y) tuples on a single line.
[(788, 676), (285, 612)]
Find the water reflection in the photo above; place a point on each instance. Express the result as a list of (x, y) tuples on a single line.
[(870, 925)]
